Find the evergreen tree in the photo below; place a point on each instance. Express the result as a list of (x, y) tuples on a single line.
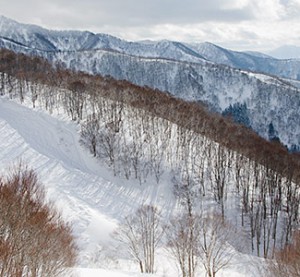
[(239, 113), (272, 133)]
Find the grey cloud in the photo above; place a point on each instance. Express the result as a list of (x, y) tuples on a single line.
[(292, 8), (170, 11), (130, 12)]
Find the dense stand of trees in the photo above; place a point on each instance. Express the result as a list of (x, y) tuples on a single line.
[(141, 132), (34, 239)]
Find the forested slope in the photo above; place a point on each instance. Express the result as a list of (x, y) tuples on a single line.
[(143, 134)]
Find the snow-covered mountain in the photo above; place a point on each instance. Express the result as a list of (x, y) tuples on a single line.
[(286, 52), (203, 72), (253, 61), (23, 37), (88, 193)]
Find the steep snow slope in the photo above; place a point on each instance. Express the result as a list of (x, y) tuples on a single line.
[(87, 193)]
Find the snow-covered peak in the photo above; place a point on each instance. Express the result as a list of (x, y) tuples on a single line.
[(212, 52), (43, 39)]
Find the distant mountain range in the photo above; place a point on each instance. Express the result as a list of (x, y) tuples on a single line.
[(286, 52), (266, 88)]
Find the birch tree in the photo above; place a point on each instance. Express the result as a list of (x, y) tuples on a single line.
[(141, 233)]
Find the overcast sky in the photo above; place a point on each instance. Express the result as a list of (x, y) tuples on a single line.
[(236, 24)]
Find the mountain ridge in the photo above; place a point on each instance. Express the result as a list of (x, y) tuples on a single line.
[(88, 40), (215, 76)]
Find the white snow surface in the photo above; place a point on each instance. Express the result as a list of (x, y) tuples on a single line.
[(86, 191)]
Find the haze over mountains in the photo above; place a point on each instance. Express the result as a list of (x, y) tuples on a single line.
[(286, 52), (204, 72)]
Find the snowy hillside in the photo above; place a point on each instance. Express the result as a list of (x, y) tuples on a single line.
[(89, 198), (87, 192), (146, 148)]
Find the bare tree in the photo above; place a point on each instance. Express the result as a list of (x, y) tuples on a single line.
[(186, 190), (75, 99), (33, 88), (182, 243), (108, 141), (89, 133), (141, 233), (157, 148), (214, 249), (220, 175)]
